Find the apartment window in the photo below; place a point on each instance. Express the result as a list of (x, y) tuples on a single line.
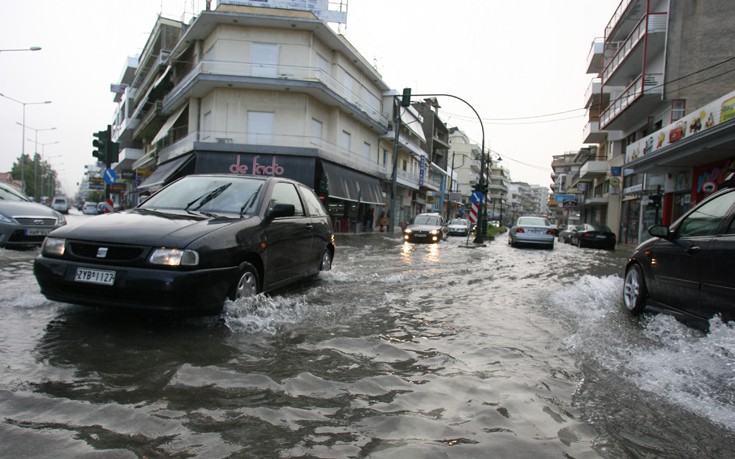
[(385, 157), (404, 165), (260, 128), (265, 59), (345, 140), (317, 128), (678, 109), (207, 125), (366, 150)]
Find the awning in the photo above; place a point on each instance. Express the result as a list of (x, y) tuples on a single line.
[(169, 123), (165, 171), (352, 185)]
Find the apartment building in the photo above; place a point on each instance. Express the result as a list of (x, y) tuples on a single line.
[(267, 91), (660, 112)]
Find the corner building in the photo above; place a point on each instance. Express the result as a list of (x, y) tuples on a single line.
[(264, 91)]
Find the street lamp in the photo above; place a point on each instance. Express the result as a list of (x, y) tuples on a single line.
[(43, 162), (23, 138), (32, 48), (35, 160)]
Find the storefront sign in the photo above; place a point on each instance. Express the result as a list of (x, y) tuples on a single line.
[(712, 114), (297, 168)]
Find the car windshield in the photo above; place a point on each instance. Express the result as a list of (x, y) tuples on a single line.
[(8, 194), (458, 221), (432, 220), (208, 194), (532, 221)]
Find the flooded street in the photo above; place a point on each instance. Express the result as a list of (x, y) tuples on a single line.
[(401, 351)]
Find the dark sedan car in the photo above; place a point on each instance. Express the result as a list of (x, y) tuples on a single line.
[(593, 235), (189, 247), (687, 269), (426, 227)]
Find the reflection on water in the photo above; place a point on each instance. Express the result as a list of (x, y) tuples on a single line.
[(402, 350)]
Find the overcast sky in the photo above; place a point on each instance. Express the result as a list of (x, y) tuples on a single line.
[(521, 64)]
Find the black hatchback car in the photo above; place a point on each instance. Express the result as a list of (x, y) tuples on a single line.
[(189, 247), (426, 227), (688, 269)]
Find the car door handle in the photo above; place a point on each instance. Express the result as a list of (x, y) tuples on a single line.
[(309, 226), (693, 249)]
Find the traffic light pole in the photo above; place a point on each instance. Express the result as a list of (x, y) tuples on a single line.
[(106, 152), (481, 234)]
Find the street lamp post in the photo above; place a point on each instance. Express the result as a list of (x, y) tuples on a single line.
[(35, 160), (23, 137), (32, 48)]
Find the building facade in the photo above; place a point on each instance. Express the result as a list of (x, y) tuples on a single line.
[(659, 68), (267, 91)]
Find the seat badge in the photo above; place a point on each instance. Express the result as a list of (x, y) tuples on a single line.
[(102, 252)]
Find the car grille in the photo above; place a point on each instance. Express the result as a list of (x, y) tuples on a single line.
[(115, 253), (36, 221)]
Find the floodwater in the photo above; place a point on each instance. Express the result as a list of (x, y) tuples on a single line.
[(401, 351)]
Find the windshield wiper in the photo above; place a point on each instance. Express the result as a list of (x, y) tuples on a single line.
[(209, 196), (249, 203)]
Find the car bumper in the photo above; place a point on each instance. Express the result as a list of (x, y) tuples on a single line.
[(422, 237), (152, 290), (535, 240), (22, 236)]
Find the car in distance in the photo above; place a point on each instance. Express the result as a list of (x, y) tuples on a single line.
[(24, 223), (565, 233), (459, 227), (90, 208), (532, 231), (687, 269), (190, 247), (425, 227), (593, 235), (60, 204)]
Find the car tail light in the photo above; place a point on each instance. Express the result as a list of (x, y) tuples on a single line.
[(520, 230), (587, 235), (551, 231)]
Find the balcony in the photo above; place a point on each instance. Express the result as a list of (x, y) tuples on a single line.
[(637, 102), (208, 75), (594, 168), (592, 133), (596, 56), (629, 59)]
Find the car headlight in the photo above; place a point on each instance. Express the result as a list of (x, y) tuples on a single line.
[(60, 220), (174, 257), (407, 231), (434, 232), (53, 246)]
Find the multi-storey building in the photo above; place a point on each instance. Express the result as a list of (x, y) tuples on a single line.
[(497, 192), (659, 66), (251, 90)]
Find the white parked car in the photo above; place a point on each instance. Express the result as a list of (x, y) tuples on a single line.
[(60, 204)]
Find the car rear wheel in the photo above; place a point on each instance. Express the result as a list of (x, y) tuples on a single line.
[(247, 284), (326, 263), (634, 290)]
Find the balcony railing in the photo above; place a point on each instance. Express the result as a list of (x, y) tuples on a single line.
[(617, 15), (652, 23), (651, 84)]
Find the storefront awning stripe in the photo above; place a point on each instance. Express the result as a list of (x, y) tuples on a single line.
[(165, 172), (351, 185)]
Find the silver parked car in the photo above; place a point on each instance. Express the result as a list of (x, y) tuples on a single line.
[(533, 231), (24, 223)]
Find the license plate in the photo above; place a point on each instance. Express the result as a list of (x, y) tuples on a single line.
[(419, 235), (600, 236), (95, 276), (37, 231)]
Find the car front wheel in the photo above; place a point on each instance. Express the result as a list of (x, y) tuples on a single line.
[(247, 282), (326, 263), (634, 290)]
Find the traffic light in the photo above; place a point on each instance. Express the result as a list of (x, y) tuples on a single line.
[(406, 99), (102, 139), (106, 151)]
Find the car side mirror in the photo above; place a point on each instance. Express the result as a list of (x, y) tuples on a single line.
[(659, 231), (281, 210)]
